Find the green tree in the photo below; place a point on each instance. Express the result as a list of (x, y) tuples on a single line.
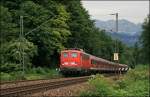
[(8, 29), (135, 59), (51, 35), (84, 33), (13, 54), (49, 27), (145, 41)]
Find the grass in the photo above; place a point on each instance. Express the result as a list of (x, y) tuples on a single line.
[(30, 74), (135, 83)]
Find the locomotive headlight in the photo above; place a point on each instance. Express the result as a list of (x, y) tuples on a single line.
[(73, 63), (66, 63)]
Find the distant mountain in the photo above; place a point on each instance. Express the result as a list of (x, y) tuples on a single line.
[(124, 26), (126, 38), (128, 32)]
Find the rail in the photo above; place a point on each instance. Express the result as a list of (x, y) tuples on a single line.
[(18, 81), (29, 89)]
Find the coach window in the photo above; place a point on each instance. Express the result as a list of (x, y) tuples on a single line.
[(74, 55), (65, 55), (94, 62)]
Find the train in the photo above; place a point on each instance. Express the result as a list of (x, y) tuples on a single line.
[(76, 61)]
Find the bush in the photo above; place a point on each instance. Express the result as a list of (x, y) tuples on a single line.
[(42, 72), (9, 67), (5, 76), (139, 73), (33, 76), (120, 93), (11, 55), (121, 83), (11, 76), (134, 83), (31, 73), (139, 88), (101, 87)]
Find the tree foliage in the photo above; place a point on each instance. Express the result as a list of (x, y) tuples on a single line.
[(12, 53), (145, 41), (50, 26), (8, 29)]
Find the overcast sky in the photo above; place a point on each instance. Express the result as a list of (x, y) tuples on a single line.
[(134, 11)]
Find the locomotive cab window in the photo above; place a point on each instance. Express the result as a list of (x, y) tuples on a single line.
[(65, 55), (74, 55)]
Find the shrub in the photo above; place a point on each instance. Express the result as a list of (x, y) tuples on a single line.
[(120, 93), (31, 73), (121, 83), (135, 83), (40, 70), (138, 88), (5, 76), (9, 67), (33, 76), (139, 73), (11, 55), (101, 87)]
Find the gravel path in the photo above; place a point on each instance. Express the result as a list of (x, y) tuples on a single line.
[(71, 90)]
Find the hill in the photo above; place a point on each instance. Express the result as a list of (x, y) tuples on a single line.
[(128, 32), (126, 38)]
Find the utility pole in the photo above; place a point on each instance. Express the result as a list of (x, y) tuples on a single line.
[(116, 22), (116, 52), (116, 57), (116, 14), (117, 32), (21, 37)]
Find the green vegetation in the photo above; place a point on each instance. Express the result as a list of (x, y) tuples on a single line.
[(145, 50), (34, 73), (49, 27), (134, 83)]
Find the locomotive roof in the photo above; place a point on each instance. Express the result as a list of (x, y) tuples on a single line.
[(71, 50), (78, 49)]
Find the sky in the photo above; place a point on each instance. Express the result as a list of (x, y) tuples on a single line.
[(134, 11)]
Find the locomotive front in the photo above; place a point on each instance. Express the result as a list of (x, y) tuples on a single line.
[(70, 61)]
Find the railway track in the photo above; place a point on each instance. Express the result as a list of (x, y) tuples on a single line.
[(29, 89), (22, 81)]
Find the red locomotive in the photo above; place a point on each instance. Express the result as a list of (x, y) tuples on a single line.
[(76, 60)]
